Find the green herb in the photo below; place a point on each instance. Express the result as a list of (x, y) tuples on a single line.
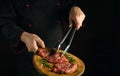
[(69, 58), (45, 63)]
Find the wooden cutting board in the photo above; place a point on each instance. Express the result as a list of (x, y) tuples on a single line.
[(46, 72)]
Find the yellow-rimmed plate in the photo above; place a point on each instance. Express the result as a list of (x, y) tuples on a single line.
[(46, 72)]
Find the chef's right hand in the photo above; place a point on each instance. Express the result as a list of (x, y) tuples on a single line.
[(32, 41)]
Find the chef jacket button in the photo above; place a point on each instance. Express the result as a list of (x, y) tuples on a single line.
[(58, 3), (27, 5), (59, 40), (29, 25)]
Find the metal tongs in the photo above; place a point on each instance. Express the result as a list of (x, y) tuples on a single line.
[(70, 41)]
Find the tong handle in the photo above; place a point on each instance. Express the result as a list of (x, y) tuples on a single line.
[(63, 39), (72, 36), (70, 41)]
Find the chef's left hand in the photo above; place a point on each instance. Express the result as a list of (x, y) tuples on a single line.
[(76, 16)]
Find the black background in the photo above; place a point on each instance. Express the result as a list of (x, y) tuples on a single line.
[(95, 43)]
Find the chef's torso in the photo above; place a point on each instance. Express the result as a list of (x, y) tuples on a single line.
[(39, 17)]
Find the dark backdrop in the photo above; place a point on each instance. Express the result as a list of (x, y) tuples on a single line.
[(94, 43)]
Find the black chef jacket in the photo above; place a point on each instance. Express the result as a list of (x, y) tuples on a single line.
[(41, 17)]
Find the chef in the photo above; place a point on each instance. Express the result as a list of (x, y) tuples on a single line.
[(30, 24)]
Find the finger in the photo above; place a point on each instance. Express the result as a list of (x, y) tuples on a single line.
[(28, 47), (35, 46), (39, 41), (70, 21), (32, 45), (78, 24), (79, 20)]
